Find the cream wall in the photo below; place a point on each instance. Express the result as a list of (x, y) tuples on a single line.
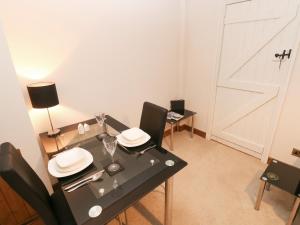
[(202, 36), (287, 135), (98, 51), (16, 127), (106, 56)]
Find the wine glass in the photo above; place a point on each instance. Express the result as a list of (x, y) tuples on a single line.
[(110, 144), (100, 118)]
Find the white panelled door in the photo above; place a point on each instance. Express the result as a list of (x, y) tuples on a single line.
[(251, 79)]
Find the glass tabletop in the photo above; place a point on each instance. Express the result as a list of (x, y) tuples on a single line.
[(283, 176), (70, 138), (132, 165), (187, 114), (114, 193)]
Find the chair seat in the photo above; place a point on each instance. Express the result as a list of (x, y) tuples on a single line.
[(62, 210)]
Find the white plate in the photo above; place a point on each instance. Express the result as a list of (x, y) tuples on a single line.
[(70, 158), (125, 143), (133, 134), (52, 166)]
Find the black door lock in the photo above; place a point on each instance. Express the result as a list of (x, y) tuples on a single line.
[(281, 56)]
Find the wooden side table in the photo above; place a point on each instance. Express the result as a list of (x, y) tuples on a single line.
[(187, 114), (69, 135), (285, 177)]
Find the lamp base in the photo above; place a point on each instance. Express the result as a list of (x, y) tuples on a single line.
[(53, 133)]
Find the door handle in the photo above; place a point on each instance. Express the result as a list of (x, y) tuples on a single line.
[(284, 54)]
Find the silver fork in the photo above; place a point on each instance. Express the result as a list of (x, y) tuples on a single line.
[(84, 181), (146, 149)]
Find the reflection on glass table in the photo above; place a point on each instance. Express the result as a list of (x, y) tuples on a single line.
[(100, 118), (70, 137), (132, 163), (110, 144)]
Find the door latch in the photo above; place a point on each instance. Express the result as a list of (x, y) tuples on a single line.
[(283, 55)]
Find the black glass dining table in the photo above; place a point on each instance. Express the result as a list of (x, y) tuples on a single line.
[(114, 193)]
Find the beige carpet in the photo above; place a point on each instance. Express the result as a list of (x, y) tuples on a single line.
[(218, 187)]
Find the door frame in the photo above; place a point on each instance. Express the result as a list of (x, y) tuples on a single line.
[(284, 87)]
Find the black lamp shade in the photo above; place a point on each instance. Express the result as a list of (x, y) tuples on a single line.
[(43, 94)]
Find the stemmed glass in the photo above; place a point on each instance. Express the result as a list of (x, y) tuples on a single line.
[(100, 118), (110, 144)]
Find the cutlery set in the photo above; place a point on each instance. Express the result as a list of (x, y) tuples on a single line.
[(80, 183), (96, 176), (137, 153)]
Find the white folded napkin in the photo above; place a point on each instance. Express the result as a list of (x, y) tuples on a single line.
[(71, 159), (70, 168), (133, 134)]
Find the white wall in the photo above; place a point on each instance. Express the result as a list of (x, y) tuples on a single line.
[(16, 127), (202, 36), (287, 135), (103, 55), (98, 51)]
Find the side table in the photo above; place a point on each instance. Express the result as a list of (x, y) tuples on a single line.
[(187, 114), (285, 177)]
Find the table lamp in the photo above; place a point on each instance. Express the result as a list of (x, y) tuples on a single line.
[(43, 95)]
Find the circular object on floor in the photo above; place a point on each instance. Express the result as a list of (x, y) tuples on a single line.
[(170, 163), (95, 211)]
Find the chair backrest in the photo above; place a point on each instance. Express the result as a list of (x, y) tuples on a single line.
[(22, 179), (153, 121)]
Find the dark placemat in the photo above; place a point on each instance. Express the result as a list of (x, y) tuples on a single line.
[(112, 173), (86, 172)]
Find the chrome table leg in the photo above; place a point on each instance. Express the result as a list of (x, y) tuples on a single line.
[(172, 138), (168, 201), (268, 186), (192, 129), (177, 126), (294, 211), (260, 194)]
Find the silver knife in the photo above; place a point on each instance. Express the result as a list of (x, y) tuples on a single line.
[(81, 181)]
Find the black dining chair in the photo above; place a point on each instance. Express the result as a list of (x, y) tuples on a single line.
[(153, 122), (17, 173)]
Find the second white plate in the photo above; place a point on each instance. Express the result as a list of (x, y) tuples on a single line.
[(125, 143)]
